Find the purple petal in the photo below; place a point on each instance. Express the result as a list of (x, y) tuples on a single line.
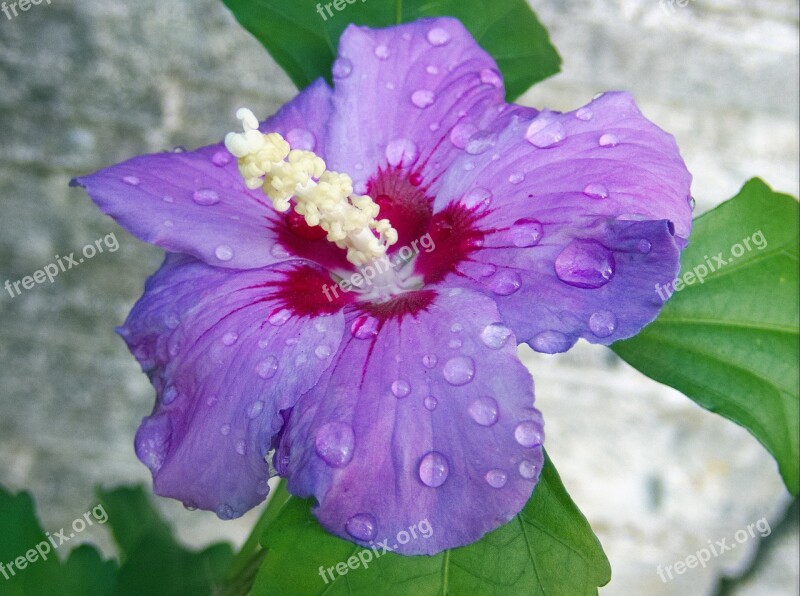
[(225, 355), (196, 202), (406, 96), (428, 418)]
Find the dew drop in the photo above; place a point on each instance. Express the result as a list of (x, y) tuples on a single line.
[(603, 323), (279, 316), (505, 282), (484, 411), (461, 134), (221, 159), (596, 191), (454, 344), (267, 367), (415, 179), (551, 342), (429, 360), (644, 246), (481, 142), (364, 327), (168, 199), (189, 507), (584, 114), (423, 98), (322, 352), (491, 77), (545, 133), (430, 403), (262, 488), (342, 68), (279, 252), (585, 264), (496, 478), (526, 233), (477, 198), (382, 52), (225, 429), (438, 37), (225, 512), (241, 448), (400, 388), (528, 434), (609, 140), (334, 443), (402, 152), (361, 526), (205, 197), (255, 409), (169, 396), (433, 469), (527, 469), (459, 370), (131, 180), (230, 338), (432, 70), (300, 138), (495, 336), (224, 252), (516, 177)]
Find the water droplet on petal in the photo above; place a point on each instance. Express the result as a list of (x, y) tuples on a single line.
[(603, 323), (225, 429), (131, 180), (496, 478), (279, 252), (189, 507), (596, 191), (459, 370), (225, 512), (456, 327), (221, 158), (551, 342), (494, 336), (400, 388), (423, 98), (528, 434), (342, 68), (382, 52), (262, 488), (279, 316), (402, 152), (364, 327), (241, 448), (516, 177), (545, 133), (429, 360), (322, 352), (334, 443), (255, 409), (267, 367), (169, 396), (205, 197), (481, 142), (433, 469), (484, 411), (432, 70), (168, 199), (300, 138), (461, 134), (224, 252), (430, 403), (609, 140), (477, 198), (585, 264), (505, 282), (438, 37), (584, 114), (692, 202), (362, 526), (230, 338), (526, 233), (491, 77), (527, 469), (644, 246), (454, 344)]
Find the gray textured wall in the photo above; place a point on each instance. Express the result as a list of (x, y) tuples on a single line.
[(84, 84)]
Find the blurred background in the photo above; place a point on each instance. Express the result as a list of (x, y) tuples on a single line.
[(86, 84)]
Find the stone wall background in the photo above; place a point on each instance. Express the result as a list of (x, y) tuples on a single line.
[(85, 84)]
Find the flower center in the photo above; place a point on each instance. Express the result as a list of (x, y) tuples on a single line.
[(324, 198)]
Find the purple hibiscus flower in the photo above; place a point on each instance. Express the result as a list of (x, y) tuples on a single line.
[(401, 399)]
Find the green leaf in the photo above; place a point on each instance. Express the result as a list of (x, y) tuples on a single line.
[(305, 45), (548, 549), (153, 562), (84, 572), (731, 343)]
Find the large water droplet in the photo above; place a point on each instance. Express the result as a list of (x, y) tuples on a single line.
[(585, 264), (342, 68), (430, 403), (528, 434), (433, 469), (545, 133), (423, 98), (230, 338), (255, 409), (461, 134), (596, 191), (131, 180), (551, 342), (362, 526), (334, 443), (496, 478), (224, 252), (364, 327), (429, 360), (400, 388), (459, 370), (603, 323), (494, 336), (205, 196), (300, 138), (221, 159), (382, 52), (505, 282), (609, 140), (484, 411), (584, 114), (279, 316), (527, 469), (477, 198), (401, 152), (526, 233), (438, 37), (267, 367)]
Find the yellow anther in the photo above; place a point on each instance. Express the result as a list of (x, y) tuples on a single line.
[(324, 198)]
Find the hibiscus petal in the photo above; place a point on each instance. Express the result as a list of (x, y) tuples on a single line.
[(578, 221), (196, 202), (423, 417), (409, 96), (225, 355)]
